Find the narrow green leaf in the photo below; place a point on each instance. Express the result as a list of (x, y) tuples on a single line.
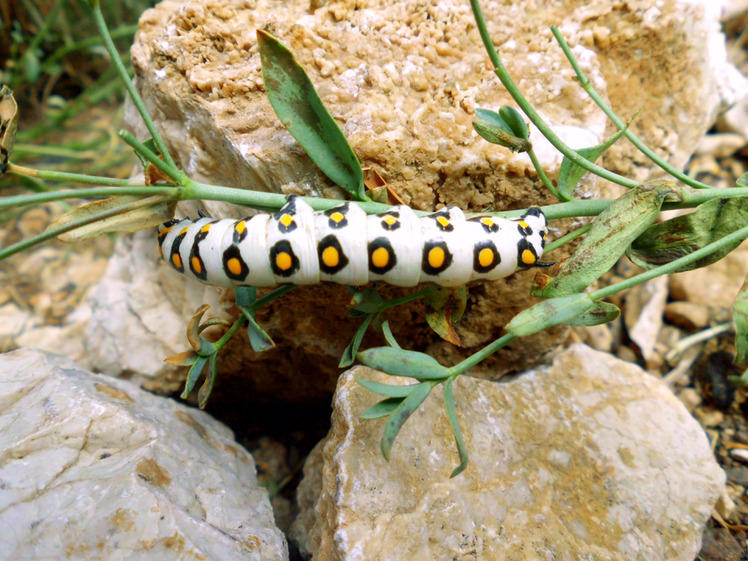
[(549, 313), (669, 240), (398, 362), (600, 312), (611, 233), (444, 308), (300, 109), (193, 375), (386, 390), (388, 336), (382, 409), (742, 180), (258, 337), (245, 296), (210, 380), (570, 173), (349, 354), (401, 414), (515, 121), (366, 301), (449, 407), (740, 318)]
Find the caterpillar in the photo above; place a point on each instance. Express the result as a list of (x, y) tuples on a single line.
[(300, 246)]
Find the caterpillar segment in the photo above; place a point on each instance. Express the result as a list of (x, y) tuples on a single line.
[(344, 245)]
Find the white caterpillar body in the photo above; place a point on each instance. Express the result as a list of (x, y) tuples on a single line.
[(344, 245)]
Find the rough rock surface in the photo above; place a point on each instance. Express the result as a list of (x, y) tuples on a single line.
[(92, 467), (590, 457)]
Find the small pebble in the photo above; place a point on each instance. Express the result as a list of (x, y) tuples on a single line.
[(709, 417), (690, 398), (740, 454), (738, 475), (687, 315)]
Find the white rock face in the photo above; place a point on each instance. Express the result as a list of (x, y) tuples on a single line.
[(94, 468), (588, 458)]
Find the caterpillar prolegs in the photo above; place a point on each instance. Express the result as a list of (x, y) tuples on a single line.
[(300, 246)]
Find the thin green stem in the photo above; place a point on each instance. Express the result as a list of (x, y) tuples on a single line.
[(544, 177), (277, 293), (65, 176), (125, 77), (218, 345), (567, 238), (481, 355), (671, 267), (534, 117), (407, 298), (49, 196), (36, 150), (178, 177), (636, 141)]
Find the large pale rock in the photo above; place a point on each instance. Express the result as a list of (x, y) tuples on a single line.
[(588, 458), (94, 468)]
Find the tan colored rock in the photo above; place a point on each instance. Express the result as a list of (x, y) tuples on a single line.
[(642, 314), (588, 457), (95, 468), (687, 315)]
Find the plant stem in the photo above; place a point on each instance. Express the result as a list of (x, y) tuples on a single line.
[(567, 238), (534, 117), (671, 267), (171, 171), (125, 77), (643, 148), (544, 177), (49, 196), (74, 177), (481, 355)]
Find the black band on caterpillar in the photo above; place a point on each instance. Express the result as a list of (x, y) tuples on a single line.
[(344, 245)]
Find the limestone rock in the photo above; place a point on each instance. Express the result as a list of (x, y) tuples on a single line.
[(588, 457), (94, 468)]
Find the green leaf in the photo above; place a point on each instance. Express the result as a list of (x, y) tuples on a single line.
[(740, 318), (742, 180), (366, 301), (669, 240), (401, 414), (258, 337), (382, 409), (570, 173), (298, 106), (245, 296), (492, 126), (549, 313), (611, 233), (515, 121), (600, 312), (398, 362), (210, 380), (388, 336), (349, 354), (193, 375), (386, 390), (449, 406)]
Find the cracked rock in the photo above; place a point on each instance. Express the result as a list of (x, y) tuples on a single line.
[(92, 468), (590, 457)]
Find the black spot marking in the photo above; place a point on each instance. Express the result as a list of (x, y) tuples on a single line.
[(175, 250), (441, 219), (522, 246), (482, 246), (427, 248), (389, 224), (488, 224), (333, 242), (381, 243), (336, 225), (231, 258), (281, 247)]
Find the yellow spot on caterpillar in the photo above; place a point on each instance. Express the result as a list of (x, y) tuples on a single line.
[(234, 266), (205, 229), (523, 224), (176, 259), (528, 258), (283, 260), (337, 217), (436, 257), (485, 257), (197, 266), (286, 220), (443, 222), (390, 220), (380, 257), (240, 227), (330, 257), (487, 222), (184, 231)]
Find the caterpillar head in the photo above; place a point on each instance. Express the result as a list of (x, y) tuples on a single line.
[(533, 229)]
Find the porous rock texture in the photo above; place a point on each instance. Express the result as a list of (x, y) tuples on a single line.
[(403, 80), (590, 457), (92, 467)]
